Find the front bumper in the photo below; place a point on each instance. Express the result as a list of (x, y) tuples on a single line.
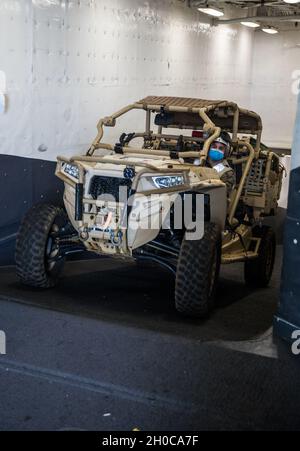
[(114, 225)]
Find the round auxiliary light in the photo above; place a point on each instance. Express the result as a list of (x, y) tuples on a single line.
[(129, 173)]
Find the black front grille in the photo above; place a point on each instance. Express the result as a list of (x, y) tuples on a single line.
[(109, 186)]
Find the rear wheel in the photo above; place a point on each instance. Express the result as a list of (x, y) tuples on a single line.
[(38, 262), (258, 272), (197, 273)]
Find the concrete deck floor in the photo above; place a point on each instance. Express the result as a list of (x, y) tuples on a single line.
[(105, 350)]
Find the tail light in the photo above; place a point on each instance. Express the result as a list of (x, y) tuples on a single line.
[(197, 134)]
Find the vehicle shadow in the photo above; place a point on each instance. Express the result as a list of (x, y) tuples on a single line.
[(142, 296)]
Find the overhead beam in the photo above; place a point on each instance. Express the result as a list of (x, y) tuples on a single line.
[(290, 18)]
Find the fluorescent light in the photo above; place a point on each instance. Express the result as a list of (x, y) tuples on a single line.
[(250, 24), (292, 1), (211, 11), (270, 30)]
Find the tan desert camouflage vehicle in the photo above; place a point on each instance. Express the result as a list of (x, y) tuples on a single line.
[(123, 200)]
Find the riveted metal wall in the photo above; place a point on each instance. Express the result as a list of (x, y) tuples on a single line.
[(67, 63), (276, 77), (23, 182)]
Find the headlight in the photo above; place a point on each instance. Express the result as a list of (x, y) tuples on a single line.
[(71, 170), (168, 181)]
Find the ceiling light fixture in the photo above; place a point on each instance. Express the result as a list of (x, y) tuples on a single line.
[(270, 30), (250, 24), (211, 11), (292, 1)]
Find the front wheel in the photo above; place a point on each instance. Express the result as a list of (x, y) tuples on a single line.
[(38, 262), (197, 273), (258, 272)]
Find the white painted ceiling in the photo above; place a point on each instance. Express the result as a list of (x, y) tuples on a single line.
[(276, 12), (273, 6)]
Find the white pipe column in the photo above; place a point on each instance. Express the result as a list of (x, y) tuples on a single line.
[(288, 318)]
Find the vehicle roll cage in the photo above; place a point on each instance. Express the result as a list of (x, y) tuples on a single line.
[(209, 116)]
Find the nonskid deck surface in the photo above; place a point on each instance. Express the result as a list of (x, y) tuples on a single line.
[(105, 350), (141, 295)]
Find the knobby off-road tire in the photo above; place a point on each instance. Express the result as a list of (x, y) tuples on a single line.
[(35, 246), (258, 272), (197, 273)]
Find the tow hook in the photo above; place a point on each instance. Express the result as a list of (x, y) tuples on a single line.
[(84, 234), (116, 239)]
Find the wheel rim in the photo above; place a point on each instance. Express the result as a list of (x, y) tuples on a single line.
[(52, 257)]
